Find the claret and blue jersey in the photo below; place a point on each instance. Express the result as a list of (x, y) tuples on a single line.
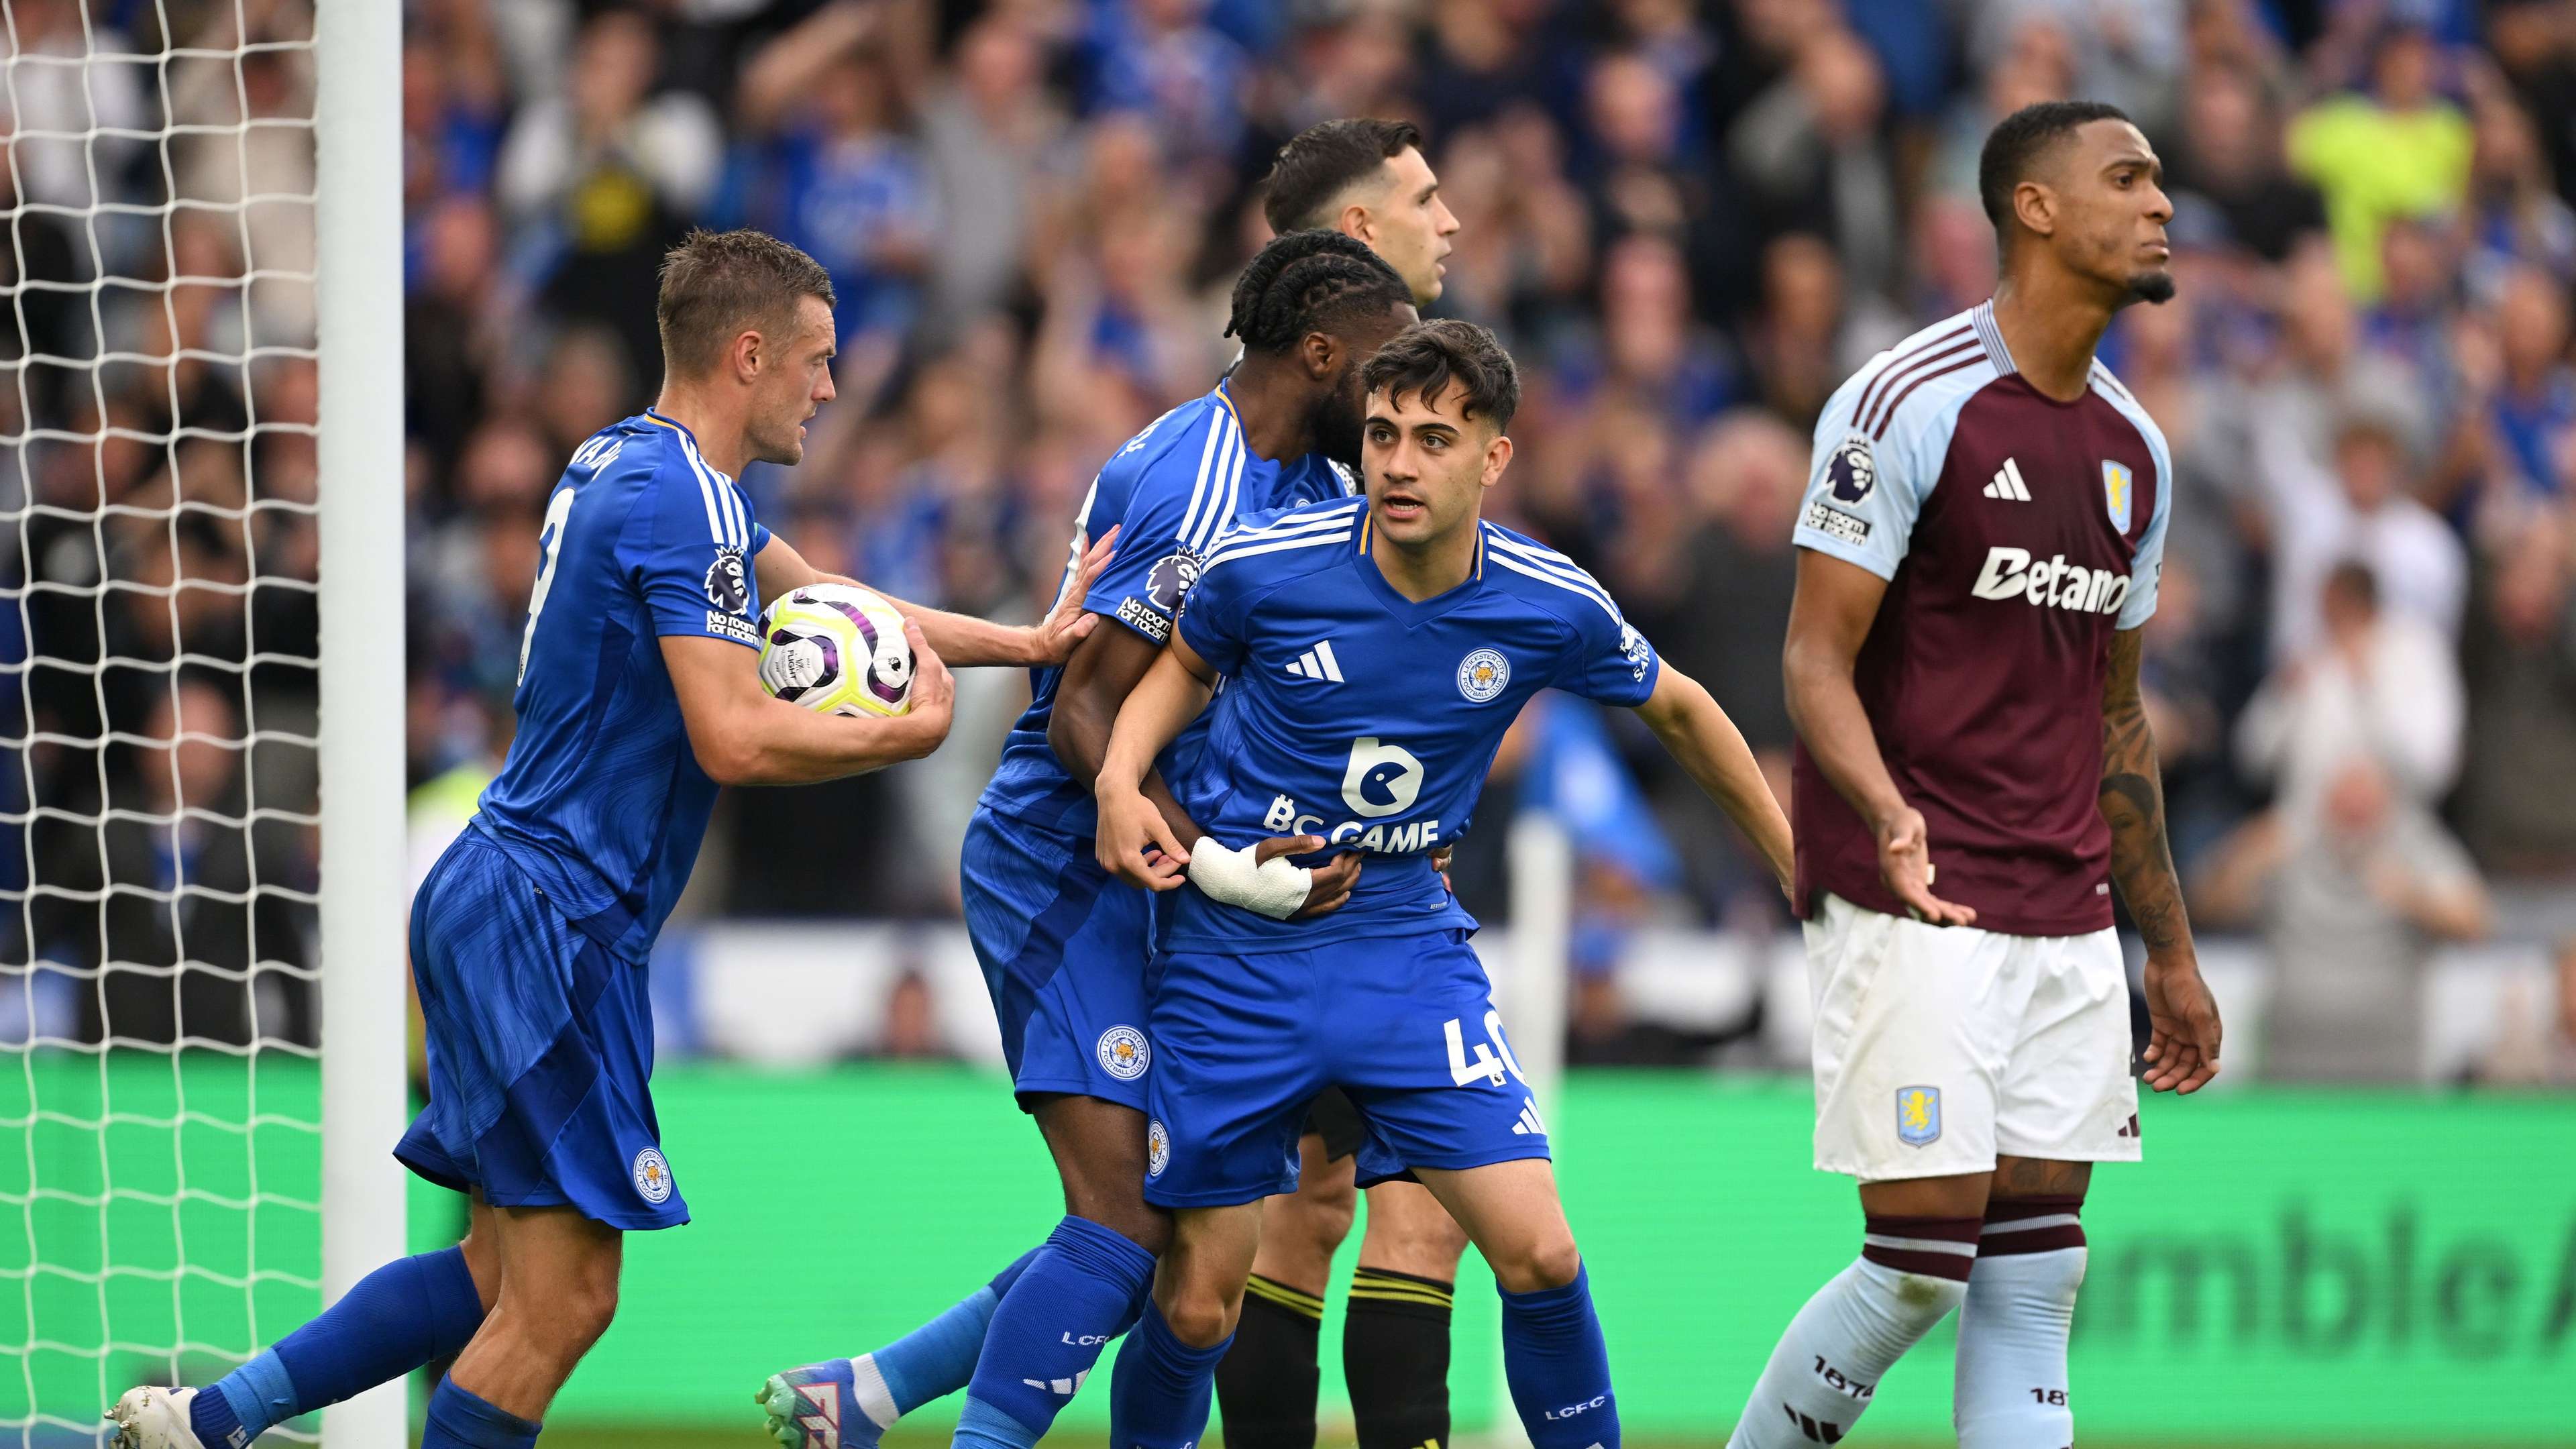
[(1351, 712)]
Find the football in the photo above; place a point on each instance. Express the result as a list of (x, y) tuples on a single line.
[(836, 649)]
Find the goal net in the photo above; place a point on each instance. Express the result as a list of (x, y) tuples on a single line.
[(162, 445)]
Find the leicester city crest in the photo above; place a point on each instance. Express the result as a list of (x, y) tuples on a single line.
[(1158, 1148), (1123, 1053), (1482, 675), (1918, 1115), (652, 1177), (2117, 492)]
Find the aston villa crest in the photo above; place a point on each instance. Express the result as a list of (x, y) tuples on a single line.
[(1918, 1115), (2117, 492)]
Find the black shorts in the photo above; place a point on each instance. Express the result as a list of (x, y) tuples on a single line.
[(1332, 1117)]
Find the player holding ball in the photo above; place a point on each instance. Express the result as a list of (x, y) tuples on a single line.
[(639, 694)]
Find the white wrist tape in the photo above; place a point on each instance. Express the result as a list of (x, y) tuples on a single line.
[(1274, 887)]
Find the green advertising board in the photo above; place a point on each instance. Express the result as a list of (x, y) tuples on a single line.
[(2347, 1267)]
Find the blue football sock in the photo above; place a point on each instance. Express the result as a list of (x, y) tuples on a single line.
[(1003, 1280), (459, 1420), (1048, 1331), (936, 1359), (211, 1417), (1559, 1367), (392, 1321), (1160, 1391)]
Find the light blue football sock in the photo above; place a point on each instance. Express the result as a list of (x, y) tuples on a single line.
[(936, 1359)]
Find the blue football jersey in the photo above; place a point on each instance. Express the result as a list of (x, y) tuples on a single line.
[(1351, 712), (601, 801), (1170, 492)]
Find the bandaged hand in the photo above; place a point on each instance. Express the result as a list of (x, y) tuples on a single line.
[(1272, 887)]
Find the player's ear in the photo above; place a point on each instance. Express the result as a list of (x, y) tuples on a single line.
[(745, 354), (2036, 206), (1321, 352), (1498, 456), (1357, 225)]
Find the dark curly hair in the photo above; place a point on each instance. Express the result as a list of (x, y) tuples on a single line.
[(1429, 356), (1310, 281)]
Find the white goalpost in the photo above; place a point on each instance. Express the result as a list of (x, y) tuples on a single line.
[(201, 692), (358, 189)]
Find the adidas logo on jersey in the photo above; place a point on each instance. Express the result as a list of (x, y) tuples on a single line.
[(1529, 1124), (1317, 663), (2007, 484), (2050, 583)]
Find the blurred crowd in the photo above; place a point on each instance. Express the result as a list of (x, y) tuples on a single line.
[(1689, 219), (157, 467)]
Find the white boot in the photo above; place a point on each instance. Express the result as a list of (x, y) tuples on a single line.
[(155, 1418)]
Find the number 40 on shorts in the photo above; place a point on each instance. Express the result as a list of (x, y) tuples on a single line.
[(1487, 1066)]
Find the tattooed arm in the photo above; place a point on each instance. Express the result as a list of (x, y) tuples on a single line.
[(2182, 1051)]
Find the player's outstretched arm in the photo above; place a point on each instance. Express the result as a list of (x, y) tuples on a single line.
[(2182, 1045), (962, 639), (741, 736), (1696, 732), (1829, 617), (1136, 843)]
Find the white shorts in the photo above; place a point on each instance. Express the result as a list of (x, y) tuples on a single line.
[(1938, 1047)]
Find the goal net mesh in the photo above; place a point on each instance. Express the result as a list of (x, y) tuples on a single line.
[(160, 1148)]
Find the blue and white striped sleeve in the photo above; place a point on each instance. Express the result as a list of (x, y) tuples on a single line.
[(1179, 497), (1246, 560), (1607, 660), (1212, 618), (687, 545)]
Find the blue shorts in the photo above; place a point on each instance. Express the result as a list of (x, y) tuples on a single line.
[(540, 1043), (1404, 1025), (1064, 946)]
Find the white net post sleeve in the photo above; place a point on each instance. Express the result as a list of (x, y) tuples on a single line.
[(359, 228)]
